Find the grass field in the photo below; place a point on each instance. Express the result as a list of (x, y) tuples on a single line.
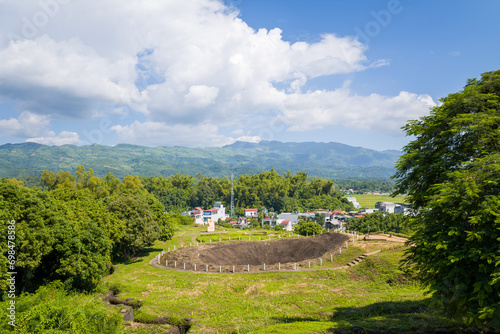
[(368, 201), (373, 295)]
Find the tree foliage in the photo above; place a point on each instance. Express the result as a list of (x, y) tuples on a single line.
[(280, 192), (305, 227), (451, 172), (72, 231), (140, 227), (391, 222), (52, 310)]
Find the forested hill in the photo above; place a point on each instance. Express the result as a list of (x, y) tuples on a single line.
[(332, 160)]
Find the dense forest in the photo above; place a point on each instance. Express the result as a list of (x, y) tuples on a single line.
[(72, 231), (277, 192)]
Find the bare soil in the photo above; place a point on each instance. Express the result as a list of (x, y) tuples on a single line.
[(286, 250)]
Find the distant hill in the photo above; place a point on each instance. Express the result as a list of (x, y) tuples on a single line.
[(332, 160)]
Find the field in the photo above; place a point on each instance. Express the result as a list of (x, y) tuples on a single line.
[(373, 294), (368, 201)]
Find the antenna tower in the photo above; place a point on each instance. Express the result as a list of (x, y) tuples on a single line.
[(232, 196)]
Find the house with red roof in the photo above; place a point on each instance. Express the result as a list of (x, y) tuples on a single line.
[(197, 214), (251, 213), (216, 213), (287, 225)]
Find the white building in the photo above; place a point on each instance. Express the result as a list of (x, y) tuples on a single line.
[(216, 213), (368, 211), (386, 207), (403, 208), (354, 202), (271, 221), (287, 225), (251, 213), (292, 218), (197, 214)]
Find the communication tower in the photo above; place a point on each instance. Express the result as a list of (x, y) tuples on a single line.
[(232, 196)]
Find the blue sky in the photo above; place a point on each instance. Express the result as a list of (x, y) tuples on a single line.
[(203, 73)]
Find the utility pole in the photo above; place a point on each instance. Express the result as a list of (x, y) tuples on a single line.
[(232, 196)]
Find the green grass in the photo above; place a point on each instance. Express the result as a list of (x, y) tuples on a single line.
[(279, 302), (368, 201)]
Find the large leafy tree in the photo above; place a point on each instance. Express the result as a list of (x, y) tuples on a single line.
[(307, 228), (140, 227), (451, 173)]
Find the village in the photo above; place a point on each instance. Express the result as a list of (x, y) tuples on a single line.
[(287, 221)]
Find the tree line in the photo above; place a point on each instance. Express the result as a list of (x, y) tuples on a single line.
[(284, 192), (74, 229), (378, 221)]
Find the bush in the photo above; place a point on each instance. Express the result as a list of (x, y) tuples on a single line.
[(51, 310), (308, 228)]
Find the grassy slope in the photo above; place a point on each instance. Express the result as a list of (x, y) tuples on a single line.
[(370, 294)]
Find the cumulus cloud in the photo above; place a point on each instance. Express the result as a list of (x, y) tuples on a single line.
[(375, 112), (161, 134), (26, 125), (36, 129), (249, 139), (63, 138), (64, 78), (187, 67)]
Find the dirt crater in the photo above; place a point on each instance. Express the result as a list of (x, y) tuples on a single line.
[(283, 251)]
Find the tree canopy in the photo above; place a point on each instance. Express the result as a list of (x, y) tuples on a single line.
[(305, 227), (388, 223), (280, 192), (72, 231), (451, 173)]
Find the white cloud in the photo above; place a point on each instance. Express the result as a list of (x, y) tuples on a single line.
[(63, 138), (64, 78), (28, 124), (208, 69), (200, 96), (249, 139), (157, 133), (36, 129), (318, 109)]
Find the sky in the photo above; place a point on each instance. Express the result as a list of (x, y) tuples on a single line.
[(203, 73)]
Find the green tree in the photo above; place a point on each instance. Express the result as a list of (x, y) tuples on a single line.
[(34, 215), (141, 229), (451, 173), (48, 180), (390, 222), (305, 227), (64, 179), (278, 227), (16, 182)]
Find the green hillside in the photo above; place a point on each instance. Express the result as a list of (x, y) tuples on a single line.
[(318, 159)]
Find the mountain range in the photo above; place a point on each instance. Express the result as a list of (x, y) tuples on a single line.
[(331, 160)]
